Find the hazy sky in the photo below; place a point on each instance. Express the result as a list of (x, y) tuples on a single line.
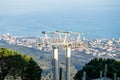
[(27, 6), (96, 18)]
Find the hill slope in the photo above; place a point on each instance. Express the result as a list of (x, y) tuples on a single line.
[(17, 65)]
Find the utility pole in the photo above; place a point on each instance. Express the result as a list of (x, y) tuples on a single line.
[(100, 74), (68, 55), (84, 75), (105, 73), (60, 74), (55, 57), (115, 76)]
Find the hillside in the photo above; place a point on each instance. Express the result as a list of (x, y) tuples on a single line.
[(100, 68), (14, 65)]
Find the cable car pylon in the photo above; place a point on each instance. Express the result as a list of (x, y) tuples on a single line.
[(61, 40)]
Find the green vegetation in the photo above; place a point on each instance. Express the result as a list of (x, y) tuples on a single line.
[(96, 65), (18, 65)]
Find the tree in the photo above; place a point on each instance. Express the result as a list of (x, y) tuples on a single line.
[(96, 65), (15, 64)]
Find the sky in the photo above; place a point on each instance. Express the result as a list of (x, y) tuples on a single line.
[(94, 18)]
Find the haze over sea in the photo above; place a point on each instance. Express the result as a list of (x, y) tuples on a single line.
[(94, 18)]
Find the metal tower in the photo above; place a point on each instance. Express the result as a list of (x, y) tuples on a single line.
[(61, 40)]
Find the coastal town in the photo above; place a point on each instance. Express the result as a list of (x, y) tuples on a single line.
[(97, 47), (101, 48)]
